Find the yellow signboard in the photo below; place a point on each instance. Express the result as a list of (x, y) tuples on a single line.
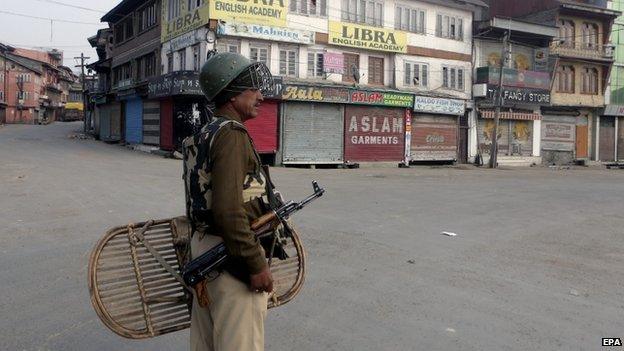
[(182, 19), (366, 37), (267, 12)]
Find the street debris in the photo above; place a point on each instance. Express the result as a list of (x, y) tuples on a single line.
[(411, 261), (450, 330), (80, 136), (449, 233), (574, 292)]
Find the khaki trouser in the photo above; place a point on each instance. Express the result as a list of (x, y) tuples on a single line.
[(234, 319)]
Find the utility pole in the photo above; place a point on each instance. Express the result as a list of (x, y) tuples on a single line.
[(499, 102), (82, 59)]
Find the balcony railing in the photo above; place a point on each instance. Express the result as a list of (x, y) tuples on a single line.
[(126, 83), (582, 50)]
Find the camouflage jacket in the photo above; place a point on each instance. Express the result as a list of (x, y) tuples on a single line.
[(225, 190)]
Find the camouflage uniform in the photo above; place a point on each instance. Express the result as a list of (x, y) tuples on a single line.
[(225, 191)]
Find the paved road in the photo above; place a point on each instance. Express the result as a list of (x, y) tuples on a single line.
[(536, 265)]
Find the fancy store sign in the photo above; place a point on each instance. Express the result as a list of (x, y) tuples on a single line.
[(365, 37), (527, 96)]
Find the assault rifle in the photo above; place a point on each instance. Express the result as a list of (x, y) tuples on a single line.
[(200, 268)]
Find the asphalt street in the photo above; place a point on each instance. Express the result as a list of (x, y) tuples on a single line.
[(536, 263)]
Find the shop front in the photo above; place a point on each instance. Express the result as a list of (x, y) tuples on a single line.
[(565, 135), (435, 129), (338, 125), (611, 135)]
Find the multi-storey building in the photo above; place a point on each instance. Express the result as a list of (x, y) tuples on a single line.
[(614, 109), (356, 81), (526, 88), (134, 59), (572, 126)]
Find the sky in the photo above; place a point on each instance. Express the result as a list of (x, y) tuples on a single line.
[(71, 38)]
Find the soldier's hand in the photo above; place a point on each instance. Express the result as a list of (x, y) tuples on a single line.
[(262, 281)]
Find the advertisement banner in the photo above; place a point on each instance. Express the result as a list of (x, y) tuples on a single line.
[(365, 37), (186, 21), (261, 31), (267, 12), (315, 94), (333, 63), (381, 98)]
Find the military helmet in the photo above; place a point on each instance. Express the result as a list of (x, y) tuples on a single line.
[(233, 73)]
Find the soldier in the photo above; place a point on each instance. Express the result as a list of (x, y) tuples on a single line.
[(226, 189)]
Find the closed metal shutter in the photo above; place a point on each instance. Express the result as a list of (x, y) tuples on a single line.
[(134, 121), (313, 133), (620, 139), (151, 122), (166, 124), (263, 128), (374, 133), (105, 122), (434, 138), (115, 122), (607, 139)]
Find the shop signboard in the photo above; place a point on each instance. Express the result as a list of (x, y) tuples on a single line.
[(439, 105), (315, 94), (374, 134), (183, 41), (266, 32), (267, 12), (187, 19), (558, 136), (381, 98), (176, 83), (333, 62), (512, 96), (366, 37), (514, 78)]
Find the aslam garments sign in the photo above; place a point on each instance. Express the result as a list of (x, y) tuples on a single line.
[(267, 12), (365, 37), (374, 133), (186, 21)]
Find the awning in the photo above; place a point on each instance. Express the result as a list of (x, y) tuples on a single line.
[(526, 116)]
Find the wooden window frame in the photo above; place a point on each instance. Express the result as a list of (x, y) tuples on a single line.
[(372, 60)]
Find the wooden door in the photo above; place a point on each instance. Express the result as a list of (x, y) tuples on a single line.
[(581, 141)]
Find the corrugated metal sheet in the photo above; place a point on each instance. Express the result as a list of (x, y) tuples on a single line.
[(607, 139), (313, 133), (151, 122), (166, 124), (105, 122), (434, 138), (374, 134), (263, 128), (134, 121), (115, 121)]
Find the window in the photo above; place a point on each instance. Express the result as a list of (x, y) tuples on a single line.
[(1, 95), (565, 79), (173, 9), (409, 19), (589, 40), (351, 68), (288, 62), (259, 53), (196, 58), (124, 30), (23, 95), (589, 77), (375, 70), (147, 17), (315, 64), (193, 4), (363, 11), (228, 46), (450, 27), (149, 65), (123, 72), (453, 78), (416, 74), (309, 7), (566, 33), (182, 58), (129, 27), (169, 62)]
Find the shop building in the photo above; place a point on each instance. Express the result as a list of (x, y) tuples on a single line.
[(525, 90), (611, 138), (583, 59)]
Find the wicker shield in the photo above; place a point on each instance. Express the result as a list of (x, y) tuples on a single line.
[(136, 289)]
